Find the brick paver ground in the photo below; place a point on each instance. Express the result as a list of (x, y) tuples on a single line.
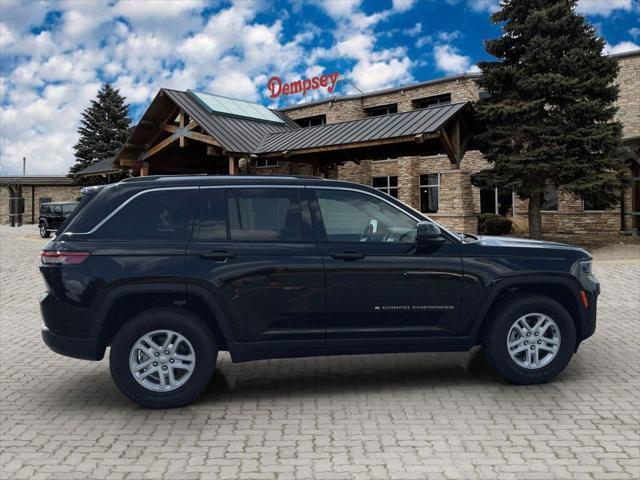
[(422, 416)]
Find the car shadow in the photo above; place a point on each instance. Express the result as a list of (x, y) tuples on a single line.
[(370, 374)]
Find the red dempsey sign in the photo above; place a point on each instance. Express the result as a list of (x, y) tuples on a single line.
[(277, 88)]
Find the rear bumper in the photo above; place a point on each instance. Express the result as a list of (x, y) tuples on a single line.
[(84, 348)]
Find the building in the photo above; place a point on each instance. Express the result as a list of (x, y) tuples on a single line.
[(21, 196), (412, 142)]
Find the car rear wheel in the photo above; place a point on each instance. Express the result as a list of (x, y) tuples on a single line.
[(531, 339), (163, 358), (44, 233)]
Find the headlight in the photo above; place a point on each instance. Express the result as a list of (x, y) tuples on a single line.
[(587, 266)]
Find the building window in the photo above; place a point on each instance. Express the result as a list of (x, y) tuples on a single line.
[(550, 198), (429, 193), (498, 201), (311, 121), (593, 202), (382, 110), (266, 162), (433, 101), (388, 185)]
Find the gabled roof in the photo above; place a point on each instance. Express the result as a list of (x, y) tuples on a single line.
[(99, 168), (383, 127), (235, 134)]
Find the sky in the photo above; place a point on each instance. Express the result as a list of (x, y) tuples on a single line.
[(54, 55)]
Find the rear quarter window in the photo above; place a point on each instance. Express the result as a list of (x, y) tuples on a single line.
[(164, 215)]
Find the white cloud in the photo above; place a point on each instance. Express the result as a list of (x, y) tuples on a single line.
[(603, 8), (621, 47), (489, 6), (449, 60), (424, 41), (414, 31), (370, 76), (449, 36), (634, 32), (339, 8), (402, 5)]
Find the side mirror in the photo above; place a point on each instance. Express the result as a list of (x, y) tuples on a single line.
[(428, 233)]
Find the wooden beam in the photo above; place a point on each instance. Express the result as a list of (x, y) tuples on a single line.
[(201, 137), (182, 120), (233, 166), (144, 170), (449, 148), (130, 162), (158, 147)]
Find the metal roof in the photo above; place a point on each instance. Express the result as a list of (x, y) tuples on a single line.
[(98, 168), (396, 125), (37, 180), (235, 134)]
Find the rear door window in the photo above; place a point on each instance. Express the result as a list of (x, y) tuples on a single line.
[(164, 215), (266, 215)]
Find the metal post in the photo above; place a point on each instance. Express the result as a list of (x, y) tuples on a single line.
[(24, 166)]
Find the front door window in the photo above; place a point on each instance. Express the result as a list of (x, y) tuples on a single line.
[(356, 217)]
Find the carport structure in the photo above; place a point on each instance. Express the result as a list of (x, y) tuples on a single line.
[(195, 132)]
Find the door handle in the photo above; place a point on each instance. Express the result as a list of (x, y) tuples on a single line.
[(218, 256), (348, 256)]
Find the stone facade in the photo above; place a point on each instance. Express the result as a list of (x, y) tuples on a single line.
[(459, 201), (57, 193)]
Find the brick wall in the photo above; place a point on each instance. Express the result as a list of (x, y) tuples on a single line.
[(56, 193), (629, 96)]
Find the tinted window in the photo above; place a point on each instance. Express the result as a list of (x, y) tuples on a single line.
[(266, 215), (429, 193), (213, 216), (162, 216), (357, 217)]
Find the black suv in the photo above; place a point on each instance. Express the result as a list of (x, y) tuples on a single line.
[(53, 215), (169, 271)]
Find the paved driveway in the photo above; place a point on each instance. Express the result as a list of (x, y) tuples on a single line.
[(424, 416)]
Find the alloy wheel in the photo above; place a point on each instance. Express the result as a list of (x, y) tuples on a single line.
[(533, 340), (162, 360)]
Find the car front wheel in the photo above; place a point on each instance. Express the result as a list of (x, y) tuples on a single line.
[(531, 339), (163, 358)]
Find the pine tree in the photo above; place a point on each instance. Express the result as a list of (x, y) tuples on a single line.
[(549, 117), (104, 128)]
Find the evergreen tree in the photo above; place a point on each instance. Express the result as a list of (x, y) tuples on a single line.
[(104, 128), (549, 117)]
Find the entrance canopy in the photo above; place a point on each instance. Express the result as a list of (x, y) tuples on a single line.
[(193, 132)]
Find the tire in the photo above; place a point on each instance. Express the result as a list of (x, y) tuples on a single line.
[(499, 331), (44, 233), (184, 325)]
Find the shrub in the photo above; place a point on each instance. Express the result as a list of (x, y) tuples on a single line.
[(491, 224)]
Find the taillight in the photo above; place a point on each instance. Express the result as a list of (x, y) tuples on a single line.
[(62, 258)]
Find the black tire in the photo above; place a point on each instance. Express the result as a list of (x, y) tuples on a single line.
[(184, 323), (44, 233), (497, 330)]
